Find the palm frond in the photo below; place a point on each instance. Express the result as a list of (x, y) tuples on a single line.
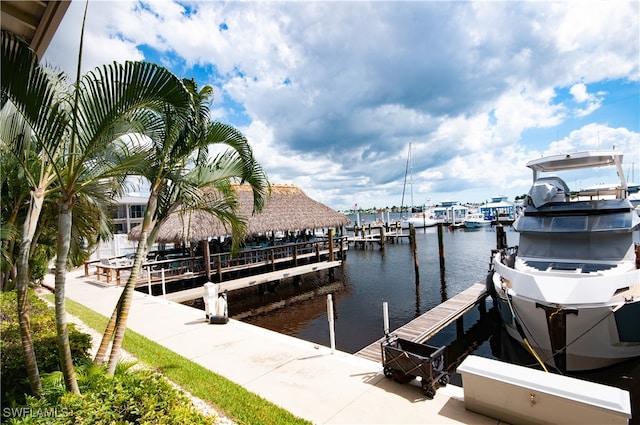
[(52, 386), (32, 90), (109, 93), (124, 367)]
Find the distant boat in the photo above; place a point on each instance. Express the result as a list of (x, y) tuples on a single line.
[(476, 220), (570, 291), (418, 220)]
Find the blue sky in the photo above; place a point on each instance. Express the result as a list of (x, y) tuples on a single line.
[(331, 93)]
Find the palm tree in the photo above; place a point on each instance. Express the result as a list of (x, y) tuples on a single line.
[(178, 170), (34, 126), (88, 140), (15, 193), (107, 104)]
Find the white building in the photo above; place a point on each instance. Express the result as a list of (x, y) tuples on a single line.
[(126, 215)]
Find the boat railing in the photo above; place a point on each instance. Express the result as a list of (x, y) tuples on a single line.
[(599, 194), (507, 256)]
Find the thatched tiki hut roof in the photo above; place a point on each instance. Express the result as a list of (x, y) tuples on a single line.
[(288, 208)]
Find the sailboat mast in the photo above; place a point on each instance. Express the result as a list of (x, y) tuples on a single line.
[(411, 177), (404, 185)]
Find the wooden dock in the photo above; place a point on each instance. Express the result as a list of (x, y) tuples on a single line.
[(221, 266), (427, 325), (364, 240), (254, 280)]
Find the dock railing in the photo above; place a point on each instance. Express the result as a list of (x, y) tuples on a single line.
[(252, 260)]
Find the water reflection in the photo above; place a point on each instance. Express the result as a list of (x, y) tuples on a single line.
[(373, 276)]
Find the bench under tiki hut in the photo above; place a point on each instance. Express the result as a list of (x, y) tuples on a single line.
[(287, 209)]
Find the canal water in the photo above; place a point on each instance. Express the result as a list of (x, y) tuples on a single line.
[(372, 276)]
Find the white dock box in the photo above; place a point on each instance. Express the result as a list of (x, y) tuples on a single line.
[(519, 395)]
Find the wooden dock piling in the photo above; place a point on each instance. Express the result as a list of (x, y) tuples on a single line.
[(441, 251), (414, 250)]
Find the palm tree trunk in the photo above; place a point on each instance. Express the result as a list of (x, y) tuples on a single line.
[(8, 246), (109, 331), (127, 294), (107, 336), (7, 281), (64, 242), (22, 289)]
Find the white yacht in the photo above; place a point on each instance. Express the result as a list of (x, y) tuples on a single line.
[(476, 220), (570, 292), (419, 220)]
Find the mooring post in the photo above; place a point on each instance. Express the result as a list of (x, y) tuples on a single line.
[(149, 279), (207, 259), (385, 317), (501, 237), (331, 254), (332, 334), (414, 249), (382, 237), (164, 287), (441, 251), (272, 255), (460, 327)]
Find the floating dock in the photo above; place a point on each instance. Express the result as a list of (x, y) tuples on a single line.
[(253, 280), (433, 321), (366, 239)]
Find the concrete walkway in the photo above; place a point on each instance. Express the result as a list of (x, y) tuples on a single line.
[(301, 377)]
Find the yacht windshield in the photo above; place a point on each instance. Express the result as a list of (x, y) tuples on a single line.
[(572, 224), (596, 246)]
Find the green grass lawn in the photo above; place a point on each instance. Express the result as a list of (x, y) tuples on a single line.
[(242, 406)]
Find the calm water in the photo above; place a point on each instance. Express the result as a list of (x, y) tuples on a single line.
[(372, 276)]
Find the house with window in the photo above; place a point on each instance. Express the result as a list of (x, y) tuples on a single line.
[(127, 214)]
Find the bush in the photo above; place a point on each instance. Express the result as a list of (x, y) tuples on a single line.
[(141, 397), (43, 331), (37, 269)]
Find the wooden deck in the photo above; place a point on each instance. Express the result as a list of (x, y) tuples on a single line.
[(372, 239), (222, 266), (249, 281), (427, 325)]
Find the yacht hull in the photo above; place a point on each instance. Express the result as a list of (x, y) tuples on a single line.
[(418, 222), (571, 330)]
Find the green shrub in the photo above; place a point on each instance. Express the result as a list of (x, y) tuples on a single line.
[(43, 331), (37, 269), (141, 397)]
